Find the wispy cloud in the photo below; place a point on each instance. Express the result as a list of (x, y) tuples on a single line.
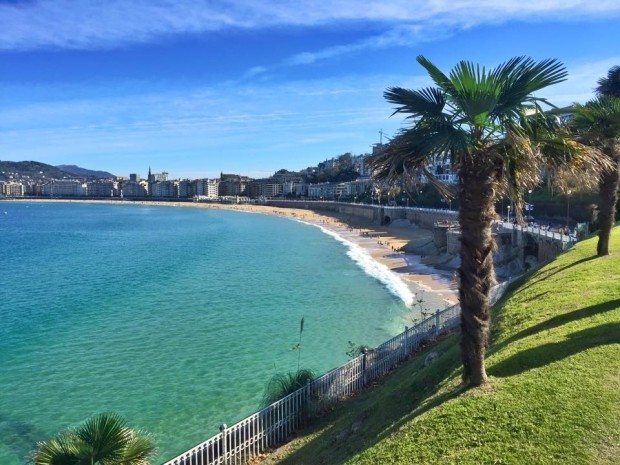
[(581, 81), (404, 35), (263, 126), (253, 128), (92, 24)]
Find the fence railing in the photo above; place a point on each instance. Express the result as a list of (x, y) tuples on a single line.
[(277, 422), (565, 239)]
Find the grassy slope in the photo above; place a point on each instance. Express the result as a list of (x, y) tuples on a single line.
[(554, 397)]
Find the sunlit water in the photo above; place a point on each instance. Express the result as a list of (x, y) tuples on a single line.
[(173, 317)]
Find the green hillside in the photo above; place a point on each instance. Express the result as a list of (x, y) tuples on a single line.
[(34, 170), (554, 397)]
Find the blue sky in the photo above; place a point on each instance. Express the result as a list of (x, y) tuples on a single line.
[(195, 88)]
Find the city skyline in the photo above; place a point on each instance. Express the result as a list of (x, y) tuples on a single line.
[(190, 86)]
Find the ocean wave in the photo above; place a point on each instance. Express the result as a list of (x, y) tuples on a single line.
[(371, 267)]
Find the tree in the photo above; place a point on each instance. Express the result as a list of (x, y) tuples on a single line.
[(497, 135), (609, 86), (102, 440), (597, 123)]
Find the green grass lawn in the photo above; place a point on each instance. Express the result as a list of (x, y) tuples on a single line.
[(554, 396)]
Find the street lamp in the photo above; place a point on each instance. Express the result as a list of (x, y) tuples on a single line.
[(568, 193), (508, 207)]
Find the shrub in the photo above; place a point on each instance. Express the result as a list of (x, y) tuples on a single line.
[(282, 384)]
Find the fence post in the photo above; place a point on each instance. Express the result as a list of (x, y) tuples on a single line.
[(364, 352), (437, 323), (307, 407), (406, 340), (224, 442)]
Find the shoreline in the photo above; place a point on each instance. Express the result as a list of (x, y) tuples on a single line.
[(381, 245)]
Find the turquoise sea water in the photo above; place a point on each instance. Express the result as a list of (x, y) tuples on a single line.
[(173, 317)]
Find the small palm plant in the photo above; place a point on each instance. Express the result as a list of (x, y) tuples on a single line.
[(494, 130), (281, 385), (103, 439)]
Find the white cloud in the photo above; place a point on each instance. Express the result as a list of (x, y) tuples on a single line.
[(581, 81), (404, 35), (255, 127), (92, 24), (293, 124)]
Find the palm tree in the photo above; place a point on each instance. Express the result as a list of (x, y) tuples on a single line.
[(493, 129), (597, 123), (102, 440), (609, 86)]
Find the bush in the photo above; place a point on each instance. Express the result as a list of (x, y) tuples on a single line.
[(281, 385)]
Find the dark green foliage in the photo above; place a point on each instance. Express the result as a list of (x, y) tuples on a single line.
[(283, 384), (354, 350), (33, 169), (103, 439), (84, 172), (597, 123), (610, 85)]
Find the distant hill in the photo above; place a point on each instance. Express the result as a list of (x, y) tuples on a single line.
[(83, 172), (23, 170), (30, 169)]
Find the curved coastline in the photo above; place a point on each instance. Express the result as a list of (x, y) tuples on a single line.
[(371, 266), (374, 258)]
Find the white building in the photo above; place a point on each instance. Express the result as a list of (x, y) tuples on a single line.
[(64, 188), (186, 189), (359, 186), (207, 188), (164, 189), (324, 190), (133, 189), (448, 178), (100, 188), (299, 189), (12, 189)]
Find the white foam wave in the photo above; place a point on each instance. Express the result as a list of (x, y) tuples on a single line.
[(371, 266)]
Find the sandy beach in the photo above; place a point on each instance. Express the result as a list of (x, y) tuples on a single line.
[(383, 243)]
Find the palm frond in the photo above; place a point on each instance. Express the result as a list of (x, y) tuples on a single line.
[(138, 450), (102, 440), (441, 80), (61, 450), (105, 434), (475, 91), (597, 120), (521, 77), (427, 102), (609, 85)]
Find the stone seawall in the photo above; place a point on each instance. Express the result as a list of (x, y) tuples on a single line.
[(424, 217)]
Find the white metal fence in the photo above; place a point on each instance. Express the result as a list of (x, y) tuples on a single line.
[(565, 239), (276, 423)]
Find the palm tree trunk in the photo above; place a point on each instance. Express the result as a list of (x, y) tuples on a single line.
[(608, 190), (476, 214)]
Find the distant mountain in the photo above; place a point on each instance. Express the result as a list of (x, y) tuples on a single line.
[(21, 170), (37, 171), (83, 172)]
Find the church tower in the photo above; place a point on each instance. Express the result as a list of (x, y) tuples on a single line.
[(150, 182)]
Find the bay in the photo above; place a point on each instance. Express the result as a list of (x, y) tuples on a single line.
[(174, 318)]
